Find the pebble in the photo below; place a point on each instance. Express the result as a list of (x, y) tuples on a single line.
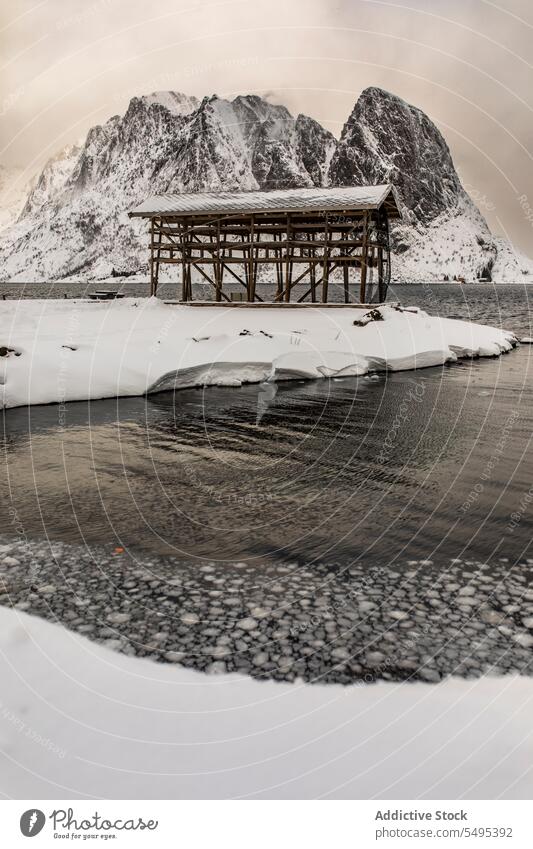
[(323, 624), (492, 617), (340, 654), (260, 612), (428, 674), (217, 668), (220, 651), (10, 561), (375, 658), (118, 618), (190, 618), (174, 656), (248, 624), (115, 645), (525, 640)]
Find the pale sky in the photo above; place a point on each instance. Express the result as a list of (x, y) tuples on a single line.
[(70, 64)]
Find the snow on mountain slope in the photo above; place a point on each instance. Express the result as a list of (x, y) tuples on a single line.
[(443, 233), (13, 193), (174, 101), (385, 140), (52, 179), (75, 223), (511, 264), (457, 243)]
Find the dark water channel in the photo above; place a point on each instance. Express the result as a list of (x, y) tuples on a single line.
[(382, 524)]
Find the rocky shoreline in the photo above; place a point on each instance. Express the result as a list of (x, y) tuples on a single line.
[(318, 623)]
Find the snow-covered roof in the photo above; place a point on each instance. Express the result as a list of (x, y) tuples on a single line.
[(278, 200)]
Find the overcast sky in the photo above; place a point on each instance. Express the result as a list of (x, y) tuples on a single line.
[(69, 64)]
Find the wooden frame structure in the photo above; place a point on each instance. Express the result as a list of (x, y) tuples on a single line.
[(304, 235)]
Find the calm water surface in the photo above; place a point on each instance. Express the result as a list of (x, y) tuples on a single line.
[(426, 464)]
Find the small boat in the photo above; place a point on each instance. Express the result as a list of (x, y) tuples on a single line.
[(105, 295)]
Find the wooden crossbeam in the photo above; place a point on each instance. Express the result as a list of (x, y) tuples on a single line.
[(331, 240)]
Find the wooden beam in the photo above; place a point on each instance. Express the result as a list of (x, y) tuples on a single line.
[(325, 272), (284, 240), (152, 267), (288, 262), (312, 270), (251, 266), (239, 279), (346, 279), (279, 273), (364, 258), (184, 265), (218, 268), (209, 280)]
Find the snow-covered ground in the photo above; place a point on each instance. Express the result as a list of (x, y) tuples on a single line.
[(56, 351), (78, 720)]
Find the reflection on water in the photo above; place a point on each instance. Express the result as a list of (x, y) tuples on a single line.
[(336, 530), (413, 464)]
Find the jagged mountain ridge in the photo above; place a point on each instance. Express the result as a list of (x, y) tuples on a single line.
[(386, 140), (75, 223), (13, 193), (82, 228)]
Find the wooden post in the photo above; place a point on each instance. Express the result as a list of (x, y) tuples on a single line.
[(325, 272), (364, 257), (183, 265), (288, 262), (312, 268), (380, 274), (252, 265), (345, 271), (385, 259), (279, 269), (152, 263), (218, 266)]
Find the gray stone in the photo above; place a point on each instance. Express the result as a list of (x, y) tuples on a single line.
[(248, 624), (218, 667), (190, 618), (118, 618), (174, 656)]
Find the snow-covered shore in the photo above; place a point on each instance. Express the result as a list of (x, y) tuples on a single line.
[(66, 350), (79, 720)]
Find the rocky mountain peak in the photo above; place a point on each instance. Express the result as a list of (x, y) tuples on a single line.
[(174, 101), (75, 223), (386, 140)]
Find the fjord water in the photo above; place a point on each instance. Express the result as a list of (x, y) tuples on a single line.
[(415, 465)]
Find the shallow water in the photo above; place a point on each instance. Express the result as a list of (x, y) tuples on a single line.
[(413, 464), (320, 477)]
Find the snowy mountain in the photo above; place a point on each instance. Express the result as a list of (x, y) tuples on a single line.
[(511, 264), (13, 193), (74, 221), (52, 179), (385, 140)]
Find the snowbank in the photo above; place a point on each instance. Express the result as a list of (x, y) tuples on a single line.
[(55, 351), (77, 720)]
